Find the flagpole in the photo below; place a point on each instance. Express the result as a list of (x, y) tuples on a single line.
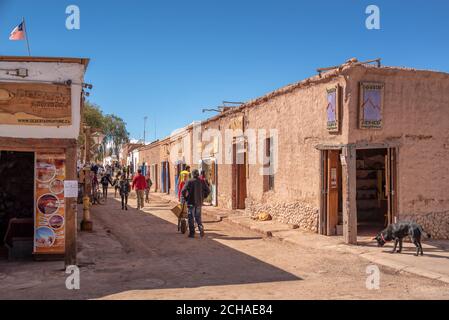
[(26, 35)]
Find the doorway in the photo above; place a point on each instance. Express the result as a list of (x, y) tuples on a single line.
[(376, 190), (331, 222), (209, 167), (239, 173), (16, 203), (165, 177)]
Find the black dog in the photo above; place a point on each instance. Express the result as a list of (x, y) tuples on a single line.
[(398, 231)]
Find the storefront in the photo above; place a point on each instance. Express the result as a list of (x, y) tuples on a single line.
[(40, 118)]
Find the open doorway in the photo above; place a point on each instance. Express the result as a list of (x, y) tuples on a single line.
[(16, 204), (375, 173)]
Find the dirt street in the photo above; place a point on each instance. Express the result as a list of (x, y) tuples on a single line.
[(139, 255)]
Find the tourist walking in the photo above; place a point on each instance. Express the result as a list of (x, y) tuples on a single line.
[(139, 184), (105, 181), (124, 189), (194, 192), (184, 175), (147, 189)]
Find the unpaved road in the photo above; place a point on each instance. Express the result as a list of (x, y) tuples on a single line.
[(139, 255)]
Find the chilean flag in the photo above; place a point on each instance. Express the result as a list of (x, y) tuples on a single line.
[(18, 33)]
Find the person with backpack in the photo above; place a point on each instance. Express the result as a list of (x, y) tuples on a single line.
[(194, 192), (105, 181), (124, 188)]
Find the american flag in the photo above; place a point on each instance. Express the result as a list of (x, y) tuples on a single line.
[(18, 33)]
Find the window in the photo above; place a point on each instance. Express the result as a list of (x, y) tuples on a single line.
[(268, 181)]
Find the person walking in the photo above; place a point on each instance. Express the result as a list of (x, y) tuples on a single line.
[(105, 181), (184, 175), (139, 184), (124, 188), (116, 183), (147, 189), (194, 192)]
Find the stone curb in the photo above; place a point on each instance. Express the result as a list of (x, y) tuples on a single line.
[(363, 253)]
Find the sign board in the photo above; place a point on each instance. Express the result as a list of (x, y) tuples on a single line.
[(35, 104), (371, 105), (49, 226), (71, 189)]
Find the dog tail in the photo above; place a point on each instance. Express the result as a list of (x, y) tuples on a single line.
[(428, 235)]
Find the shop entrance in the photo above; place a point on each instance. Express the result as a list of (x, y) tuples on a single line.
[(209, 166), (376, 185), (16, 203)]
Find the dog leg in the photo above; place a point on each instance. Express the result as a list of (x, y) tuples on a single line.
[(395, 245), (417, 247), (420, 246), (400, 246)]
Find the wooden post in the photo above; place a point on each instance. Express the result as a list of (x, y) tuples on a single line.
[(349, 171), (71, 209)]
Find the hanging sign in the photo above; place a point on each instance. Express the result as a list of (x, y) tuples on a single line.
[(49, 233), (371, 105), (35, 104)]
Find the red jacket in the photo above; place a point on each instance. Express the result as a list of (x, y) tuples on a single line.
[(139, 182)]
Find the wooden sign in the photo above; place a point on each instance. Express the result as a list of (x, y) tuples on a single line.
[(333, 109), (236, 123), (35, 104), (371, 105)]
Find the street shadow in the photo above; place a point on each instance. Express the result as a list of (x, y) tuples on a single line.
[(136, 250)]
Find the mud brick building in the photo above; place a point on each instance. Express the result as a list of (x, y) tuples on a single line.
[(40, 122), (354, 148)]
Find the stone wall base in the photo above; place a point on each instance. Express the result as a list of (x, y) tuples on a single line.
[(437, 224), (299, 213)]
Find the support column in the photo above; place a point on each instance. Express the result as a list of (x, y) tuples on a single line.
[(71, 209), (349, 172), (86, 223)]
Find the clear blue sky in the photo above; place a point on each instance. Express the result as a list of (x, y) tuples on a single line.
[(168, 59)]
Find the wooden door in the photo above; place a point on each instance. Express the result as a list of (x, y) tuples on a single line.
[(238, 179), (332, 191), (391, 185)]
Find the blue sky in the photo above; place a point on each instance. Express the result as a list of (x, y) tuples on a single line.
[(169, 59)]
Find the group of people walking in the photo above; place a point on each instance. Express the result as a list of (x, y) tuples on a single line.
[(193, 188), (141, 184)]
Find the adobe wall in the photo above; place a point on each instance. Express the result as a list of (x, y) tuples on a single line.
[(416, 115), (151, 155), (300, 119)]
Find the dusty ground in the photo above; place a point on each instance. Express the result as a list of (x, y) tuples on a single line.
[(139, 255)]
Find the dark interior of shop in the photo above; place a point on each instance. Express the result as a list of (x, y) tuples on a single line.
[(372, 203), (16, 201)]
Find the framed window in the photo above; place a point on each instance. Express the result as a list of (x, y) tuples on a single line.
[(333, 109), (371, 105)]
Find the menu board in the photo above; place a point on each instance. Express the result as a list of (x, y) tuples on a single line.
[(49, 232)]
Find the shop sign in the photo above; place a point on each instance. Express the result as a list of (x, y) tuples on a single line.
[(49, 230), (371, 105), (35, 104)]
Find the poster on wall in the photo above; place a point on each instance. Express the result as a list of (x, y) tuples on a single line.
[(333, 110), (371, 105), (35, 104), (49, 233)]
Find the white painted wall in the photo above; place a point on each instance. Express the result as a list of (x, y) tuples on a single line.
[(47, 71)]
